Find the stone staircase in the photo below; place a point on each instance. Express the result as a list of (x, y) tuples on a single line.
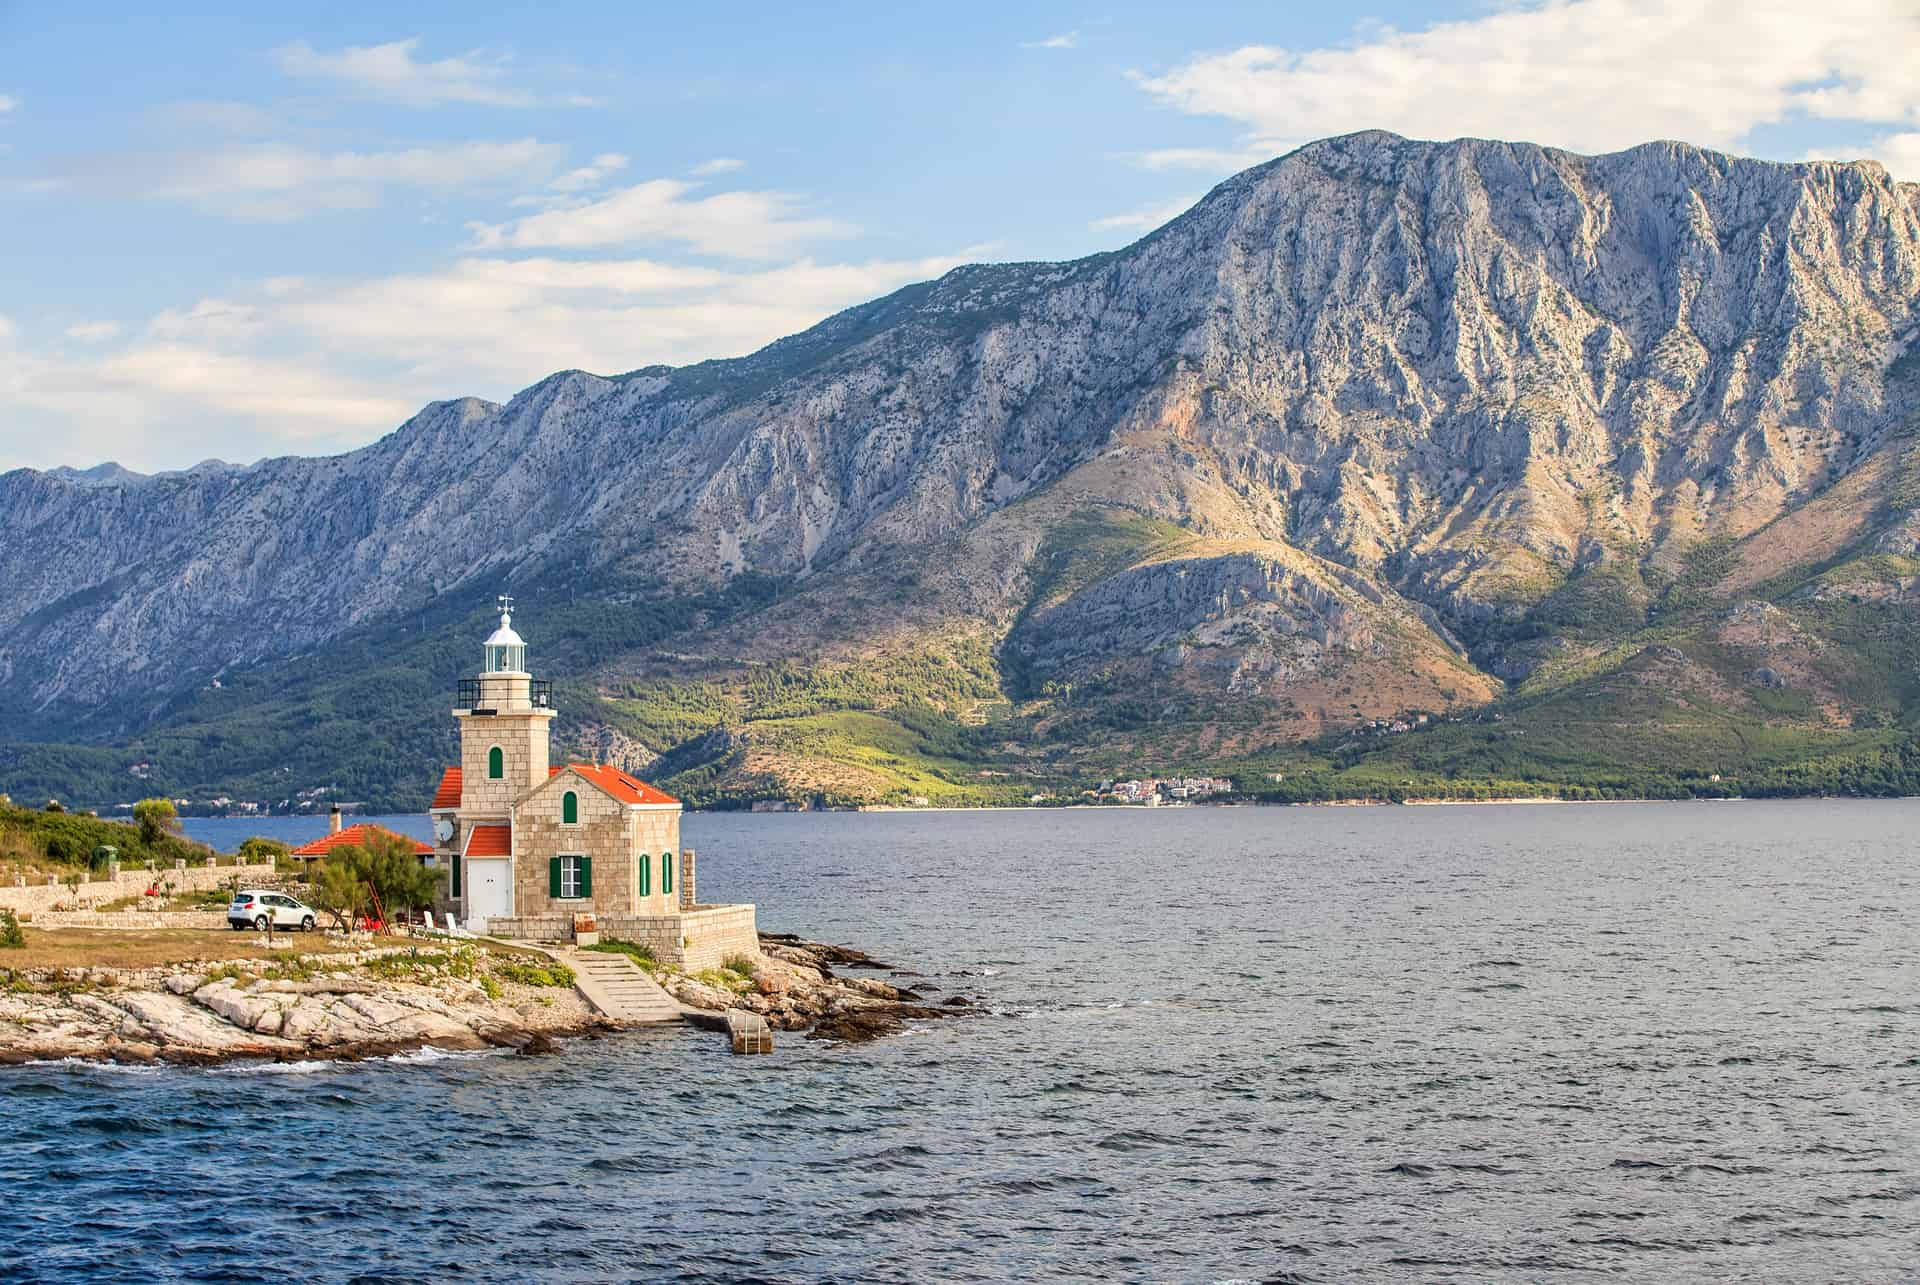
[(620, 988)]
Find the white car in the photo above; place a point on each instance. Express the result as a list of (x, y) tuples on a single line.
[(261, 908)]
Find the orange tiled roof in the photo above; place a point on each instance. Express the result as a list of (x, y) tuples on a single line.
[(355, 834), (490, 841), (448, 795), (627, 789)]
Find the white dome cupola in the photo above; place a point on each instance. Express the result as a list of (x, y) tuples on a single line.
[(506, 652)]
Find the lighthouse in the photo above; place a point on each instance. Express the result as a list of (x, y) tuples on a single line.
[(535, 849)]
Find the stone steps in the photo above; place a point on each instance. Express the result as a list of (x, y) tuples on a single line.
[(619, 988)]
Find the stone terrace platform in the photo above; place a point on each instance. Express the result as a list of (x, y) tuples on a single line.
[(698, 937)]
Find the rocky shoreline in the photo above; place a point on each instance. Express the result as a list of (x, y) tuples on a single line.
[(394, 1000), (797, 988)]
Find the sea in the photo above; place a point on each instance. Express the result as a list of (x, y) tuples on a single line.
[(1644, 1042)]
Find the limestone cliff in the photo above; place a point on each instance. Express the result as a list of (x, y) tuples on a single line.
[(1412, 383)]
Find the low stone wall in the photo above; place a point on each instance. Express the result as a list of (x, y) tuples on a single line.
[(692, 940), (130, 881), (129, 919)]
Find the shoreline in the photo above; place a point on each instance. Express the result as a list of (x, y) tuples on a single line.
[(392, 1000), (1238, 802)]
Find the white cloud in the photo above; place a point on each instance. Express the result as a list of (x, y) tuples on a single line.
[(489, 320), (1900, 153), (389, 73), (1065, 40), (304, 364), (282, 181), (163, 405), (8, 103), (1213, 160), (746, 225), (1585, 74), (206, 321), (93, 332), (718, 165), (590, 175), (242, 120), (7, 329), (1144, 219)]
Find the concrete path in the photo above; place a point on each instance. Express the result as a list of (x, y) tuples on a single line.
[(619, 988)]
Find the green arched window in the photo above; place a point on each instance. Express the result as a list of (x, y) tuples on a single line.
[(570, 808), (646, 884), (496, 764), (666, 872)]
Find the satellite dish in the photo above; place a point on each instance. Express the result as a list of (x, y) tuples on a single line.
[(443, 829)]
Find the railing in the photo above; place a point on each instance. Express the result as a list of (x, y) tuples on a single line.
[(539, 694)]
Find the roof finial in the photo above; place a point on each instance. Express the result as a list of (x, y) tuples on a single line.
[(506, 610)]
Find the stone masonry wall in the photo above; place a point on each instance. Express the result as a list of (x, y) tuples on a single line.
[(132, 919), (610, 833), (130, 882), (699, 938), (522, 738)]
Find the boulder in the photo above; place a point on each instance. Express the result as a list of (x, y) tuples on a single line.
[(700, 995), (855, 1025), (770, 981)]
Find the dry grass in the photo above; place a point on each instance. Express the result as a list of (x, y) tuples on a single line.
[(156, 947)]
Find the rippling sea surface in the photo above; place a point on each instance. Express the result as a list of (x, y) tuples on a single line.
[(1633, 1041)]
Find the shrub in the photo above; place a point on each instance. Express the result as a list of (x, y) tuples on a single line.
[(155, 817), (745, 965), (256, 850), (10, 935), (526, 974), (724, 979)]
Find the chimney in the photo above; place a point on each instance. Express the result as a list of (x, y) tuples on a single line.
[(333, 819)]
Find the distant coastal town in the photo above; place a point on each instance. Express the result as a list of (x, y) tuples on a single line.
[(1152, 792)]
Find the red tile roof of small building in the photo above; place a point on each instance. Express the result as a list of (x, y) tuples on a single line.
[(490, 841), (448, 795), (354, 835), (627, 789)]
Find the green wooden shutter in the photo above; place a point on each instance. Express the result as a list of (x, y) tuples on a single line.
[(496, 764), (666, 872), (645, 878), (570, 808), (455, 879), (586, 876), (553, 877)]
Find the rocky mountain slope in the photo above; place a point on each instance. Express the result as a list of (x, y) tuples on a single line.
[(1379, 426)]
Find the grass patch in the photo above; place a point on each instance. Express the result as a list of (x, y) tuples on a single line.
[(724, 979), (639, 952), (160, 947), (551, 973)]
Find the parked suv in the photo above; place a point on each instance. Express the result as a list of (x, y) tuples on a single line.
[(260, 908)]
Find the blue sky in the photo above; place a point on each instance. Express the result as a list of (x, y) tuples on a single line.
[(240, 230)]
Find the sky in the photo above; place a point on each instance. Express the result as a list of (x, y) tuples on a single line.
[(241, 230)]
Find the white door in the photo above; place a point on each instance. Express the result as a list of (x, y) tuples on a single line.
[(489, 891)]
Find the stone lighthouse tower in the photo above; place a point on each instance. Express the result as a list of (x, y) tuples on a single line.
[(503, 728)]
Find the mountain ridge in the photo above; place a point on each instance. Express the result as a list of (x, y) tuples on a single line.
[(1396, 405)]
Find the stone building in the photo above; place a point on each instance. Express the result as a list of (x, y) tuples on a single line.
[(529, 844)]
